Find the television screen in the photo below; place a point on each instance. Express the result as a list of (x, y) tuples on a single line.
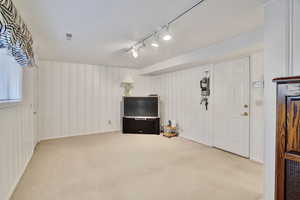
[(141, 106)]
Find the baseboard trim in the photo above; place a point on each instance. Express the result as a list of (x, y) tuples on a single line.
[(79, 134), (12, 190), (195, 141), (211, 146), (257, 161)]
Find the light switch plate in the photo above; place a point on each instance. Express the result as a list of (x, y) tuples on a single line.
[(258, 84)]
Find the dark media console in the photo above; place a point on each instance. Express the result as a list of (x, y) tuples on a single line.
[(141, 125), (141, 115)]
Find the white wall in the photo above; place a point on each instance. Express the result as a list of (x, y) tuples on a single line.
[(282, 58), (296, 37), (276, 65), (78, 99), (180, 99), (257, 108), (17, 138), (180, 96)]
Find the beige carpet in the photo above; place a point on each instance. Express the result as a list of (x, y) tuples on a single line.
[(113, 166)]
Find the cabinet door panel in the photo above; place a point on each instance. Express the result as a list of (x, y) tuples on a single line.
[(293, 125)]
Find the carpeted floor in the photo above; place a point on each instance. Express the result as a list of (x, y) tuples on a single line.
[(113, 166)]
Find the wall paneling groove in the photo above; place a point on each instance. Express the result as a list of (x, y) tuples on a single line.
[(17, 138), (78, 99)]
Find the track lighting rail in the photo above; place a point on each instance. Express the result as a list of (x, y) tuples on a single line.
[(165, 27), (185, 12)]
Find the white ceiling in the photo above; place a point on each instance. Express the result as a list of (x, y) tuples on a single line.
[(102, 29)]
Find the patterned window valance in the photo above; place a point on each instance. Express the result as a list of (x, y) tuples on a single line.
[(14, 34)]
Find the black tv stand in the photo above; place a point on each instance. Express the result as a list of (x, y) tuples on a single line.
[(141, 125)]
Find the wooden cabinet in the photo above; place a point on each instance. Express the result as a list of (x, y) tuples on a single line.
[(288, 139)]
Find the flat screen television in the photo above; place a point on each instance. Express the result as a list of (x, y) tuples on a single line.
[(141, 107)]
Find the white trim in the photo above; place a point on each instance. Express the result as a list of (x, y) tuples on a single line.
[(250, 135), (10, 103), (238, 46), (257, 161), (79, 134), (267, 2), (290, 40), (289, 37), (20, 175)]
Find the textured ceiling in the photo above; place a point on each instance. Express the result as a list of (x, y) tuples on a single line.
[(103, 29)]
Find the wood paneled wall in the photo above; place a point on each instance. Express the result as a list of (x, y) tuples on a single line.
[(180, 96), (78, 99), (17, 138), (180, 101)]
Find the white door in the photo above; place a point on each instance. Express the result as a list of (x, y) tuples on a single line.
[(231, 106)]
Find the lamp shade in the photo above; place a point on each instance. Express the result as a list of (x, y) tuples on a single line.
[(128, 79)]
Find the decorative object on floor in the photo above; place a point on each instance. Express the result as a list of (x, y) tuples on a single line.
[(173, 123), (288, 139), (127, 84), (14, 34), (170, 130)]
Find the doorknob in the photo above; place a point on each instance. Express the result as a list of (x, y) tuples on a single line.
[(245, 114), (246, 106)]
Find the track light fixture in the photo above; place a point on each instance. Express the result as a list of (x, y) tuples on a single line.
[(155, 42), (135, 52), (166, 35), (135, 49), (163, 32)]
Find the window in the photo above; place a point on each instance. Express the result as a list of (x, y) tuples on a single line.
[(10, 78)]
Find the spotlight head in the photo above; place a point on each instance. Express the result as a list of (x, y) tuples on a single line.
[(166, 35), (134, 52), (155, 44)]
